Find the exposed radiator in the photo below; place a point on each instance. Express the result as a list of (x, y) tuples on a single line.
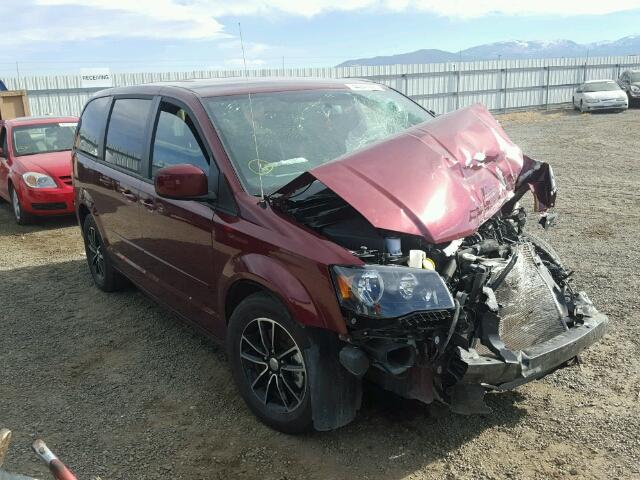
[(528, 310)]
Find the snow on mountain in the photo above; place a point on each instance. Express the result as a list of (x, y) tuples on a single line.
[(510, 50)]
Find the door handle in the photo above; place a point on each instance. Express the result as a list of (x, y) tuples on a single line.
[(129, 195), (106, 181), (148, 203)]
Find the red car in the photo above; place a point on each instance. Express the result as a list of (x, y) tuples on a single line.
[(330, 231), (35, 166)]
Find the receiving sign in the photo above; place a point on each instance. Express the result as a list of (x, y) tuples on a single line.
[(95, 78)]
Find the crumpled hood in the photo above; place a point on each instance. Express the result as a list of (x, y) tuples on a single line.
[(440, 180)]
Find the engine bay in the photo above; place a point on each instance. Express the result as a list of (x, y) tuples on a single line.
[(509, 291)]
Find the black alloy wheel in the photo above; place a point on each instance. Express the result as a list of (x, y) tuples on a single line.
[(104, 275)]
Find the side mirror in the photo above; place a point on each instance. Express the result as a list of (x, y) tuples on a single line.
[(181, 182)]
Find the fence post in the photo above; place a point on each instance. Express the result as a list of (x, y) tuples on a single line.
[(506, 79), (458, 88), (548, 79)]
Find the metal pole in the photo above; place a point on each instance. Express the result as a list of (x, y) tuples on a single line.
[(506, 78), (548, 77), (586, 60), (18, 79), (458, 88)]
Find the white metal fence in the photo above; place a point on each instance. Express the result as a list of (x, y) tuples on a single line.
[(501, 85)]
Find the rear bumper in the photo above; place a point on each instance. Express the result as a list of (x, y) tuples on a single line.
[(533, 362)]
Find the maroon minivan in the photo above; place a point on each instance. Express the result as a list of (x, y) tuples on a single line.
[(331, 231)]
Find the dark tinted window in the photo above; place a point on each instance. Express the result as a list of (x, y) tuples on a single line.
[(126, 133), (3, 141), (176, 140), (92, 126)]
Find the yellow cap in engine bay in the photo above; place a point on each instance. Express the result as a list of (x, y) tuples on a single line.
[(428, 264)]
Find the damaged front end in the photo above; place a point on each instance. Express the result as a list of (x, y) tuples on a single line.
[(455, 298), (490, 312)]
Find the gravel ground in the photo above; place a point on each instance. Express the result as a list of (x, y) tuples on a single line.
[(120, 388)]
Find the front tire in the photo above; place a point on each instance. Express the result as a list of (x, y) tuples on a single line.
[(269, 363), (22, 217), (104, 275)]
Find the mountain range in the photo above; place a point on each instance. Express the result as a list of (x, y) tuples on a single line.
[(509, 50)]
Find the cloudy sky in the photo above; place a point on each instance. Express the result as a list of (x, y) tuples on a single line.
[(136, 35)]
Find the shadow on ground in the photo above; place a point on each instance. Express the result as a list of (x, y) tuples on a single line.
[(10, 227), (122, 388)]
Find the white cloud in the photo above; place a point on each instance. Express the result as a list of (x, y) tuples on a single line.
[(450, 8), (250, 48), (76, 20), (155, 18), (239, 62), (478, 8)]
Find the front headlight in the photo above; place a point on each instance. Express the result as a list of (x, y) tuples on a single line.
[(635, 89), (38, 180), (388, 292)]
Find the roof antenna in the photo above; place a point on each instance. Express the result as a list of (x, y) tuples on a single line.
[(253, 122)]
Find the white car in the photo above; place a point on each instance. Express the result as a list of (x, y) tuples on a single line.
[(600, 95)]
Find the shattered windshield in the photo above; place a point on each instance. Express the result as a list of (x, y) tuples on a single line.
[(297, 131)]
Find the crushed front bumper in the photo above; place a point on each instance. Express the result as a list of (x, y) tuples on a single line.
[(533, 362)]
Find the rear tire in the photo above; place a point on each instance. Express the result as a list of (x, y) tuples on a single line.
[(22, 217), (269, 362), (104, 275)]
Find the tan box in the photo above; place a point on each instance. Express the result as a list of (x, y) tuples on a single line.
[(14, 103)]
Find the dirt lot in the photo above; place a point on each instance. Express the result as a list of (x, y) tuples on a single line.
[(121, 389)]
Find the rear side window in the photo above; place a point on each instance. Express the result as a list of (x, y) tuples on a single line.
[(176, 140), (3, 141), (93, 121), (126, 135)]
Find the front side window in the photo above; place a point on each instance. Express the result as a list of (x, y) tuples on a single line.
[(634, 76), (126, 134), (277, 136), (45, 138), (176, 140), (92, 123)]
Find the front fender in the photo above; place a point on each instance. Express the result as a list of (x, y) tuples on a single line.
[(319, 309)]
